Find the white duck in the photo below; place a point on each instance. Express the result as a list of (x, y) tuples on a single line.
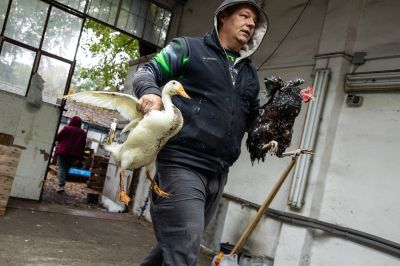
[(148, 133)]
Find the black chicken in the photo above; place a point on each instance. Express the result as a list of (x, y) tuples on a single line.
[(271, 130)]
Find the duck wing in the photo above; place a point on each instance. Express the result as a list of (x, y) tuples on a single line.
[(123, 103)]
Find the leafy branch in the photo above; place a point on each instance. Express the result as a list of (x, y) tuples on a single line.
[(112, 50)]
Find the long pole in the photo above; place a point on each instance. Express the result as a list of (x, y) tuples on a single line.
[(250, 228)]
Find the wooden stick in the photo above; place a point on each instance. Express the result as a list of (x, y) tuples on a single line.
[(246, 234)]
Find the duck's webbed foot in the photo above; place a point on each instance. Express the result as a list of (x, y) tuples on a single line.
[(122, 196), (156, 188)]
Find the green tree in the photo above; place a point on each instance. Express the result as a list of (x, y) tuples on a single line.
[(111, 51)]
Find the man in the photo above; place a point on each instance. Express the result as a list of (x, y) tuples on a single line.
[(193, 165), (71, 142)]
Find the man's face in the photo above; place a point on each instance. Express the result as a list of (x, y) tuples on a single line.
[(239, 26)]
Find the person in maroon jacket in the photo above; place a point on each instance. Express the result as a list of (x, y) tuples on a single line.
[(71, 142)]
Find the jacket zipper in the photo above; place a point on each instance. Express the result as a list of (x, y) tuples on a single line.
[(233, 97)]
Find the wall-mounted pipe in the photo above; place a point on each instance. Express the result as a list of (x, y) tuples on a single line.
[(372, 241), (310, 132)]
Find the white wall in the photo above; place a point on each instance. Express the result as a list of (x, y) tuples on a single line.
[(32, 128), (351, 174), (362, 181), (353, 178)]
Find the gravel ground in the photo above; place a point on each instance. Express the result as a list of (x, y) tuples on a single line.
[(75, 193)]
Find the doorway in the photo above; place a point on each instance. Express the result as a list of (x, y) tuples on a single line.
[(101, 64)]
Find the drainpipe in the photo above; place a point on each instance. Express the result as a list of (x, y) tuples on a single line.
[(308, 139)]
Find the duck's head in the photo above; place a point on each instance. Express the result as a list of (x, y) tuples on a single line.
[(174, 87)]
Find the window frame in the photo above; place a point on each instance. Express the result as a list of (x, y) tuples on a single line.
[(38, 50), (84, 16)]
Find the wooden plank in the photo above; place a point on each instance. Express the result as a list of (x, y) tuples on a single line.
[(7, 170), (5, 190), (9, 161), (6, 178), (10, 151), (3, 201), (97, 172), (4, 194), (53, 167), (5, 184), (6, 139), (98, 183)]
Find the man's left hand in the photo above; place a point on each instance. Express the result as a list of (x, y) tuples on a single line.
[(149, 102)]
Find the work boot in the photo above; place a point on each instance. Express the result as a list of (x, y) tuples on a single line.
[(60, 189)]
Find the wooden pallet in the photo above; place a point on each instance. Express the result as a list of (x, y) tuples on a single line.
[(6, 139), (98, 172), (9, 159)]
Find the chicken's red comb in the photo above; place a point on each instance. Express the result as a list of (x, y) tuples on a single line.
[(307, 94)]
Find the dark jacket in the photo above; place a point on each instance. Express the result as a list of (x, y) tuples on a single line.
[(71, 139), (216, 117)]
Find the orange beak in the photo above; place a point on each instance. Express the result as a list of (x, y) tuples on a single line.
[(181, 91)]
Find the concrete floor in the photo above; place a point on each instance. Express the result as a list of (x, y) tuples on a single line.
[(33, 233)]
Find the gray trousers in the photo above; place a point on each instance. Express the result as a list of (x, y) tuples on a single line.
[(179, 221), (64, 163)]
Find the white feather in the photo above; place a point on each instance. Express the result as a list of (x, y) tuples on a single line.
[(123, 103), (147, 133)]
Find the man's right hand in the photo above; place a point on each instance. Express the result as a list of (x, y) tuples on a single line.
[(149, 102)]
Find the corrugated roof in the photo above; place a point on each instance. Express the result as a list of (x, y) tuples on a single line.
[(92, 114)]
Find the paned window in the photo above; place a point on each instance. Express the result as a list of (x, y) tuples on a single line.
[(55, 74), (133, 16), (104, 10), (141, 18), (62, 34), (15, 68), (75, 4), (157, 23), (3, 10), (26, 21), (145, 20), (50, 33)]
